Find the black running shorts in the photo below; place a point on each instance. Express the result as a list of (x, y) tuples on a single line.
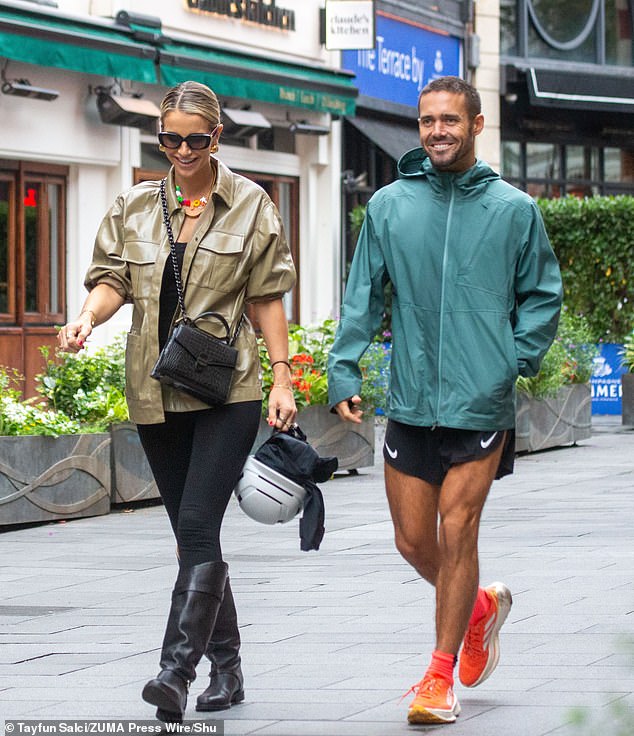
[(428, 453)]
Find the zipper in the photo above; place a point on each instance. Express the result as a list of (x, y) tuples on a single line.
[(441, 316)]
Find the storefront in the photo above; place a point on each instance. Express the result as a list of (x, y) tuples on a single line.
[(567, 96), (81, 83)]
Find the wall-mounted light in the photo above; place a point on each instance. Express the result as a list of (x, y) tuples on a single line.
[(132, 112), (308, 129), (243, 123), (23, 88)]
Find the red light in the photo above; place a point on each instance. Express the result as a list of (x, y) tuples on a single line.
[(29, 200)]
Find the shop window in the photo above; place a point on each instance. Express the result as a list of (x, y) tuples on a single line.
[(32, 246), (557, 33), (511, 159), (586, 171), (508, 27), (7, 289), (542, 161), (589, 31), (619, 27), (618, 165), (582, 170), (32, 264)]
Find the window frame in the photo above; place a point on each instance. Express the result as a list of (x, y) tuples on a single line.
[(10, 316), (20, 173)]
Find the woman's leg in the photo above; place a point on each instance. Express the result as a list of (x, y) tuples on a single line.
[(167, 447), (197, 458), (222, 439)]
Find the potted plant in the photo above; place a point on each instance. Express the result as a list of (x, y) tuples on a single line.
[(90, 387), (553, 408), (627, 380), (308, 350), (50, 468)]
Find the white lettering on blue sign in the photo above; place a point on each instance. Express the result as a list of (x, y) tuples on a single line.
[(609, 390), (406, 57)]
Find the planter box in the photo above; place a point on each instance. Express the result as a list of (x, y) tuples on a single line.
[(352, 444), (627, 399), (51, 478), (552, 422), (132, 479)]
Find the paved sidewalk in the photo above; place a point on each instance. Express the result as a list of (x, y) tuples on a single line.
[(332, 639)]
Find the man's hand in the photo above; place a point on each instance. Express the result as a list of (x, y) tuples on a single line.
[(349, 410)]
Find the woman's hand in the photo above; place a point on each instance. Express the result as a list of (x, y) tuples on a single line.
[(282, 409), (73, 335), (102, 303)]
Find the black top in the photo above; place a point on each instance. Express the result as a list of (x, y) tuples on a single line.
[(169, 295)]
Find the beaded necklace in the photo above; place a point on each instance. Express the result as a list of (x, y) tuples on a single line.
[(188, 202)]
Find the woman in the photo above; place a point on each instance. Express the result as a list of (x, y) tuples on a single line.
[(232, 251)]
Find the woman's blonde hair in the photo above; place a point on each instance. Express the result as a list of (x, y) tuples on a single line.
[(193, 98)]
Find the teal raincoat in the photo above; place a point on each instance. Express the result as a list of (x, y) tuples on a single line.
[(476, 296)]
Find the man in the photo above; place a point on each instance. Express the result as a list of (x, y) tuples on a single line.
[(476, 300)]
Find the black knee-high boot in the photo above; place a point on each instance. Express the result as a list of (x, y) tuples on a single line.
[(196, 598), (225, 679)]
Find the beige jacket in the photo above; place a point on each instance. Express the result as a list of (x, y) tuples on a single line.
[(238, 254)]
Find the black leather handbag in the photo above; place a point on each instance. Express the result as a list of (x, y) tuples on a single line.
[(192, 360)]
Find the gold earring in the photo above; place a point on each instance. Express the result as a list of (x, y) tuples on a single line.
[(161, 148), (214, 148)]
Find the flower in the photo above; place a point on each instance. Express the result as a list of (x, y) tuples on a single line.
[(308, 350)]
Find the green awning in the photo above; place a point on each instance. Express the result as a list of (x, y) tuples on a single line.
[(111, 50), (48, 40), (254, 78)]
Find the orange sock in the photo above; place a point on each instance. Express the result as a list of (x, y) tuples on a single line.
[(481, 606), (442, 664)]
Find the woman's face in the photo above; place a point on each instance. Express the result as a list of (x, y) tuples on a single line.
[(189, 162)]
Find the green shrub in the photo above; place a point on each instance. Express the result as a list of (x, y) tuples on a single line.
[(25, 417), (594, 242), (88, 387), (569, 359)]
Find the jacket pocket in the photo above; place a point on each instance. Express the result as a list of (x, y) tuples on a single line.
[(216, 261), (133, 365), (140, 257), (488, 364)]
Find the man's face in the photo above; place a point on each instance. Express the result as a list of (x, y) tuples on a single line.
[(446, 132)]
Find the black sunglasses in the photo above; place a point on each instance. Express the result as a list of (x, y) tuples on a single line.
[(195, 141)]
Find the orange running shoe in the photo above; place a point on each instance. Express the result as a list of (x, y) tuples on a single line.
[(481, 647), (435, 701)]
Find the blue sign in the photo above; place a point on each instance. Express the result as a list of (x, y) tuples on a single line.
[(606, 380), (405, 58)]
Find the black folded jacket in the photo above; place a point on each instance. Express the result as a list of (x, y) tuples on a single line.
[(290, 454)]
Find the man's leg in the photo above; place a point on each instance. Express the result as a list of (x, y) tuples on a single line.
[(447, 556), (462, 497), (414, 508)]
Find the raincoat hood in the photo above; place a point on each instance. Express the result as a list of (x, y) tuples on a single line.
[(417, 163)]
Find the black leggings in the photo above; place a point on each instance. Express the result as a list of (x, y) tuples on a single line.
[(196, 458)]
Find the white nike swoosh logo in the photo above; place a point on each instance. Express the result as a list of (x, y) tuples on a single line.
[(392, 453), (485, 443)]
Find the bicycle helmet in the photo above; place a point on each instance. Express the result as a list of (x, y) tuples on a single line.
[(268, 496)]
